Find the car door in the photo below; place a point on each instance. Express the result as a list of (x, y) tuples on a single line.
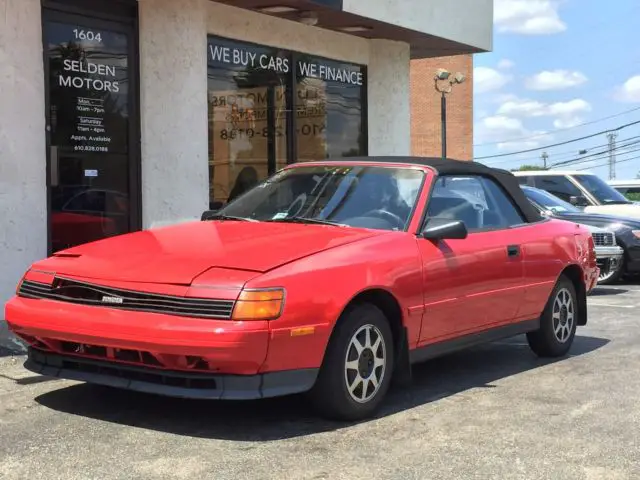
[(473, 283)]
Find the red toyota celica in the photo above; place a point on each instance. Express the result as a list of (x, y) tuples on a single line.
[(330, 278)]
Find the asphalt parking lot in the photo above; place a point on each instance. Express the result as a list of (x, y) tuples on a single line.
[(491, 412)]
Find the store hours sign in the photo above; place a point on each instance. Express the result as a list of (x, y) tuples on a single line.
[(88, 77)]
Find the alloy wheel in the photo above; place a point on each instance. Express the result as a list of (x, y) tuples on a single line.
[(607, 273), (365, 363), (563, 315)]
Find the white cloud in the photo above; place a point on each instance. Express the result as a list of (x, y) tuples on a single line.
[(528, 17), (555, 80), (567, 122), (629, 91), (572, 107), (487, 79), (535, 108), (516, 145), (505, 64), (508, 133)]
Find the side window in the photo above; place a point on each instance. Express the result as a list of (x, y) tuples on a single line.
[(559, 186), (502, 205), (477, 201)]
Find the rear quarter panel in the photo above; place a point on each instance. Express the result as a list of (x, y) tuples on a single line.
[(550, 247), (319, 287)]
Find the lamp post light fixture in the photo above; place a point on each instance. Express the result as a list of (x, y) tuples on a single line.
[(444, 83)]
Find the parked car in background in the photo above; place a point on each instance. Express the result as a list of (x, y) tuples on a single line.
[(629, 188), (329, 278), (626, 231), (585, 190)]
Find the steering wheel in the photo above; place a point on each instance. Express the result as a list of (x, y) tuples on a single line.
[(385, 215)]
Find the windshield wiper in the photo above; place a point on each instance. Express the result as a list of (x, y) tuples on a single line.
[(307, 220), (231, 217), (617, 202)]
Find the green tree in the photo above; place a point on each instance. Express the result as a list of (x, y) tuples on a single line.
[(524, 168)]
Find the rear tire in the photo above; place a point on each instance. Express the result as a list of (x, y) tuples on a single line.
[(557, 323), (358, 365)]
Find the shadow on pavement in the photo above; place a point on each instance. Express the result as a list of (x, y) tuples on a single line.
[(9, 352), (602, 291), (289, 417)]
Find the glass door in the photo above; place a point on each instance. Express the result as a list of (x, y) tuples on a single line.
[(248, 89), (91, 127)]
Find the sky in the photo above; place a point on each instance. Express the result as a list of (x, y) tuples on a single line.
[(560, 70)]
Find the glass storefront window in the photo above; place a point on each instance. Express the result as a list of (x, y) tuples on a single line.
[(269, 107), (247, 116), (329, 109)]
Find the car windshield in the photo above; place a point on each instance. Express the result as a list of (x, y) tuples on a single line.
[(352, 195), (549, 202), (601, 190)]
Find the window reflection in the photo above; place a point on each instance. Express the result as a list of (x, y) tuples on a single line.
[(88, 114), (329, 110), (251, 93), (247, 117)]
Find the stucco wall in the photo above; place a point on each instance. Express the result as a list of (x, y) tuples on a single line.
[(388, 92), (23, 230), (469, 22), (173, 76)]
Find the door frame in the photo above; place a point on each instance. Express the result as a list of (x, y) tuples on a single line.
[(119, 16)]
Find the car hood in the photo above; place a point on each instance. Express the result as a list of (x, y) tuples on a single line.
[(600, 220), (178, 254), (622, 210)]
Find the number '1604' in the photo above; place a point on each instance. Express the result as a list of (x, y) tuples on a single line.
[(87, 35)]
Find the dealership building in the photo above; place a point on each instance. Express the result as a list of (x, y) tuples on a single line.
[(118, 115)]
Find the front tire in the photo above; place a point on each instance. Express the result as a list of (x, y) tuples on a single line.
[(557, 323), (613, 275), (356, 372)]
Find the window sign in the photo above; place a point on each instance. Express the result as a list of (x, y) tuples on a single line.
[(88, 80), (253, 127)]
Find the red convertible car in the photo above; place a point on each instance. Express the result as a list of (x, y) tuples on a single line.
[(330, 278)]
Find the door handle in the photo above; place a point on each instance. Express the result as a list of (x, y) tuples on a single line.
[(513, 250)]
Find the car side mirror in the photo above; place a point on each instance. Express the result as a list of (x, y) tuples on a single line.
[(444, 229), (207, 214), (578, 201)]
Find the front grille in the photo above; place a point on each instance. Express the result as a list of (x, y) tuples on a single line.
[(71, 291), (603, 239)]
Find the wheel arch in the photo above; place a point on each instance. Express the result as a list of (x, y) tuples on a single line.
[(575, 274), (391, 308)]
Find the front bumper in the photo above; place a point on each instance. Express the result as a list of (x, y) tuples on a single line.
[(609, 252), (171, 383), (161, 341)]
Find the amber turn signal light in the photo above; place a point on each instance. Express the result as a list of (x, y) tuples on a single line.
[(264, 304)]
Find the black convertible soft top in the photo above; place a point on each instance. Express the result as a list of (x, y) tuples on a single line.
[(442, 166)]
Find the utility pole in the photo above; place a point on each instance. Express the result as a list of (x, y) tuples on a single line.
[(545, 157), (612, 155)]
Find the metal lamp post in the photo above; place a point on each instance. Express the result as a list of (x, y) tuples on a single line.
[(444, 84)]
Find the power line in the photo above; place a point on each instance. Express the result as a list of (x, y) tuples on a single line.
[(600, 156), (596, 154), (560, 143), (569, 153), (560, 129), (605, 164)]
